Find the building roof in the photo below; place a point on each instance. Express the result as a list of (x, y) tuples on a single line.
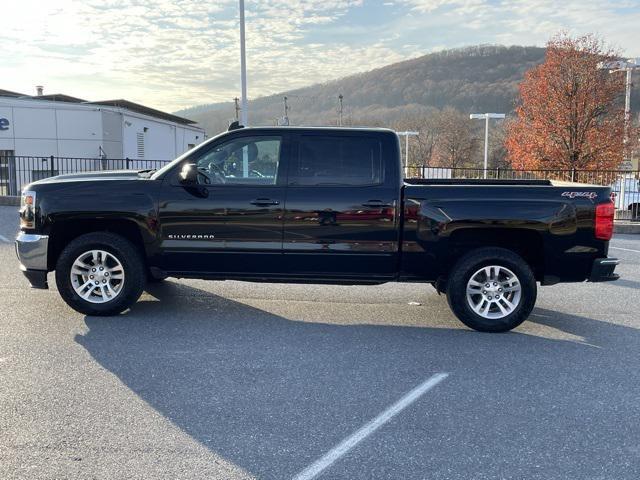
[(136, 107), (121, 103), (9, 93), (59, 97)]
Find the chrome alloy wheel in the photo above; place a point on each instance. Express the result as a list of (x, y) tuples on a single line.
[(493, 292), (97, 276)]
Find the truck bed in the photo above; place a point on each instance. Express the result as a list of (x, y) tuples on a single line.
[(474, 181)]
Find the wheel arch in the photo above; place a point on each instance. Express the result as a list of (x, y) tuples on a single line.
[(64, 231), (527, 243)]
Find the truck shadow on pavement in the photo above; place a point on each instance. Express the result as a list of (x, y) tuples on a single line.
[(271, 395)]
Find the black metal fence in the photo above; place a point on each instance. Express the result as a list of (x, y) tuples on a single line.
[(17, 171), (624, 183)]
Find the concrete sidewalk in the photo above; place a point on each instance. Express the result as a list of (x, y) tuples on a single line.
[(626, 227)]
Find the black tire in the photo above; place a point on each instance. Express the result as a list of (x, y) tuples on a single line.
[(463, 271), (124, 251)]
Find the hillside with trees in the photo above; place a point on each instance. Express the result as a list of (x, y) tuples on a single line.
[(482, 78), (432, 94)]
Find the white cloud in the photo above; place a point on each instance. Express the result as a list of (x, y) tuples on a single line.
[(171, 54), (175, 53)]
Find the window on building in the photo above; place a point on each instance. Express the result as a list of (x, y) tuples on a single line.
[(337, 160)]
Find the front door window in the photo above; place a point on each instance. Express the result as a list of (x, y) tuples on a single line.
[(243, 161)]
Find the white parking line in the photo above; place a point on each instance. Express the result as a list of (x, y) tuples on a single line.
[(4, 239), (625, 249), (313, 470)]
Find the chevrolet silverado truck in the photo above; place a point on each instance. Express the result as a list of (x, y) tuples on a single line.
[(312, 205)]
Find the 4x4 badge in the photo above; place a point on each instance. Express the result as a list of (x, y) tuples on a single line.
[(589, 195)]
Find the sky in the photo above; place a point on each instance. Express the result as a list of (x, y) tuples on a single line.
[(172, 54)]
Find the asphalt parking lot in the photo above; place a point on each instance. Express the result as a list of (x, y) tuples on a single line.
[(231, 380)]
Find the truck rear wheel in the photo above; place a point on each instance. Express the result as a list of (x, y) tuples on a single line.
[(100, 273), (491, 290)]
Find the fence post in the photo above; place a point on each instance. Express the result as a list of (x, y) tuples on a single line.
[(127, 163), (52, 166), (573, 174), (497, 173), (12, 173)]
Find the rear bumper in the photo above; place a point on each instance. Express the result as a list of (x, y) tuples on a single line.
[(602, 270), (32, 252)]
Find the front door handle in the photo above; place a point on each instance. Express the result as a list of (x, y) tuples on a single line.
[(376, 204), (264, 202)]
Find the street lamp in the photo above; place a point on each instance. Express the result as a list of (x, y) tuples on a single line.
[(486, 117), (406, 150), (627, 66), (243, 68)]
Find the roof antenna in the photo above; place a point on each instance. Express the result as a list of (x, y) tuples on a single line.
[(235, 125)]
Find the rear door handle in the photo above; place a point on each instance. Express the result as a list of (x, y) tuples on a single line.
[(264, 202), (376, 204)]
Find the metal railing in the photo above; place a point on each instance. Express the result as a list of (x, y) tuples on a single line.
[(18, 171), (624, 183)]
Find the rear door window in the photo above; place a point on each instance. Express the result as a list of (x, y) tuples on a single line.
[(325, 160)]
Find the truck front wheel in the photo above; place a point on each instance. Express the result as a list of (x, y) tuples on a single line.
[(491, 290), (100, 273)]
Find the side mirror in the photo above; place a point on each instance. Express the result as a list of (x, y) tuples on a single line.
[(189, 174)]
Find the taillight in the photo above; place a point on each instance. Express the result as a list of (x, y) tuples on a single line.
[(604, 221)]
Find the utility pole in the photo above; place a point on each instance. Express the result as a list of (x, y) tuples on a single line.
[(627, 66), (285, 119), (340, 97), (237, 106), (486, 117), (243, 67)]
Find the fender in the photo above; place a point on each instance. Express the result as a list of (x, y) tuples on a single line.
[(83, 204)]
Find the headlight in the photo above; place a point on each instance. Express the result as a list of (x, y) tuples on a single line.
[(28, 210)]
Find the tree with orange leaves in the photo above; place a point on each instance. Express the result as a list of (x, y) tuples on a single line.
[(570, 113)]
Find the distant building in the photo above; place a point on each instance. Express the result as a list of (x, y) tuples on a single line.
[(65, 126)]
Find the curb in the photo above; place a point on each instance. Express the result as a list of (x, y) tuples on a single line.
[(628, 228), (10, 201)]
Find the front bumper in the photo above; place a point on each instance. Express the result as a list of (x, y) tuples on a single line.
[(32, 252), (602, 270)]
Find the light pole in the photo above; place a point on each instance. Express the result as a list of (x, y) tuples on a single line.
[(627, 66), (243, 68), (486, 117), (406, 150)]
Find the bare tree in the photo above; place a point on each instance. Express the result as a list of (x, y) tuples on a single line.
[(422, 146), (456, 141)]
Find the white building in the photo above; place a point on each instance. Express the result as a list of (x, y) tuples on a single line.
[(62, 126), (65, 126)]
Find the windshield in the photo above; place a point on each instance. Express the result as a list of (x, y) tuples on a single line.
[(159, 173)]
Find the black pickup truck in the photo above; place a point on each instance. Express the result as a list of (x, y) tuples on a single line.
[(312, 205)]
